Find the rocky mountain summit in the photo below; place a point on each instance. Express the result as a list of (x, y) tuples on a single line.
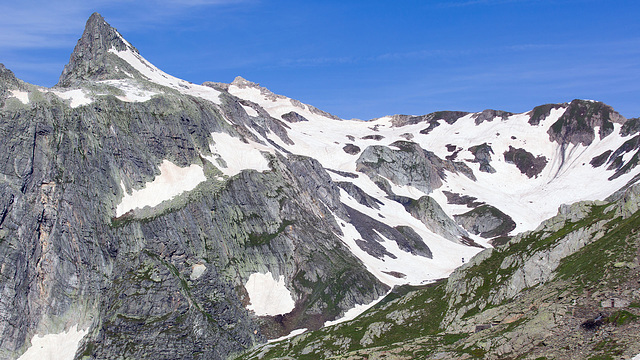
[(145, 216)]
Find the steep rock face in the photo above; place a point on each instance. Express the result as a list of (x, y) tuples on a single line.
[(8, 81), (539, 113), (372, 231), (7, 78), (90, 59), (427, 210), (576, 125), (409, 165), (482, 155), (68, 259), (60, 242)]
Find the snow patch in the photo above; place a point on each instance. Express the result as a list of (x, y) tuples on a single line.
[(197, 270), (23, 96), (77, 97), (132, 92), (62, 346), (268, 297), (172, 181), (250, 111), (355, 311), (295, 332), (237, 155)]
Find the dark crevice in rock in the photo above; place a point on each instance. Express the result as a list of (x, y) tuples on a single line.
[(343, 173), (373, 137)]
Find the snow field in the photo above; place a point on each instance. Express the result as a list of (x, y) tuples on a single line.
[(172, 181), (515, 194), (62, 346), (133, 93), (77, 97), (23, 96), (268, 296), (237, 155)]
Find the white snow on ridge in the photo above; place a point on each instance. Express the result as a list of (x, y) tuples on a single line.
[(277, 106), (508, 189), (62, 346), (78, 97), (237, 155), (23, 96), (268, 297), (158, 76), (172, 181), (133, 93)]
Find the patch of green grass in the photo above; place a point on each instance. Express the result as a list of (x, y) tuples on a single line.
[(449, 339), (477, 353), (265, 238), (607, 349), (594, 262), (622, 317)]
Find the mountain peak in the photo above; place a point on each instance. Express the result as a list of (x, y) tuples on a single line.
[(90, 60), (7, 78)]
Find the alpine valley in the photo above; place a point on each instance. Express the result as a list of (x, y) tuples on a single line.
[(146, 217)]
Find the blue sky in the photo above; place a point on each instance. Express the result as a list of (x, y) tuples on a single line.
[(360, 59)]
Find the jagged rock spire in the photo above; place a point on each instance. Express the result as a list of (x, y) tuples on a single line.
[(90, 59), (7, 78)]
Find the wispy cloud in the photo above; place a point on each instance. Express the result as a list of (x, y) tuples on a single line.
[(33, 24)]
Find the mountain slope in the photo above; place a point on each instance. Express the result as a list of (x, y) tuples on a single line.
[(509, 303), (152, 217)]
